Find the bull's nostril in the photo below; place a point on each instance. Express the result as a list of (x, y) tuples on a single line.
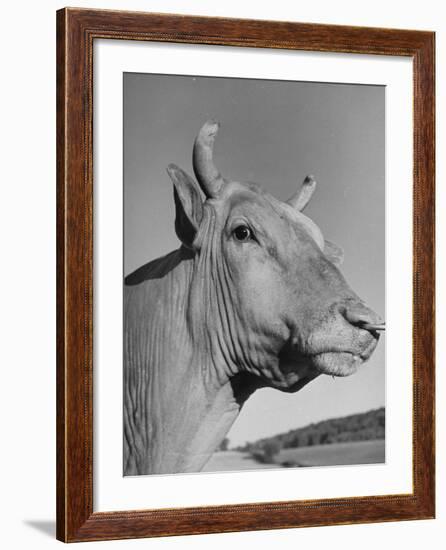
[(361, 316)]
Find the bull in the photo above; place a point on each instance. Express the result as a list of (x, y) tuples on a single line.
[(253, 297)]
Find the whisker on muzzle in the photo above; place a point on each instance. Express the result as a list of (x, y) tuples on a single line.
[(371, 326)]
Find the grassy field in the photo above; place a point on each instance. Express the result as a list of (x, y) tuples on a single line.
[(355, 452)]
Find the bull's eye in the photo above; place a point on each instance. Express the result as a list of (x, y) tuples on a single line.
[(242, 233)]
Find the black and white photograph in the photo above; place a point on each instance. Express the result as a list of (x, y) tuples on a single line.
[(254, 274), (220, 275)]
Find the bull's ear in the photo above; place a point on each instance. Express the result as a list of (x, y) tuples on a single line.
[(334, 253), (188, 205)]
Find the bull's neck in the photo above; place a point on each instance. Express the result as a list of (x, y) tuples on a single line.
[(180, 399)]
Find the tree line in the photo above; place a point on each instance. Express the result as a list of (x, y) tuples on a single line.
[(356, 427)]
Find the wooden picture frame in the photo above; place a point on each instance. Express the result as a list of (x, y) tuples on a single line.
[(76, 31)]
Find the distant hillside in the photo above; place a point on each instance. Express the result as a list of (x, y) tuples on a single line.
[(356, 427)]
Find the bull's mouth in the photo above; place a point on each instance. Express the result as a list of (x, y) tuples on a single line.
[(341, 363), (297, 368)]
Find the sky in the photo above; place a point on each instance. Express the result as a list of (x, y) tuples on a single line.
[(273, 133)]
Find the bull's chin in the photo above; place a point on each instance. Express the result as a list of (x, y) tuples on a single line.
[(337, 363)]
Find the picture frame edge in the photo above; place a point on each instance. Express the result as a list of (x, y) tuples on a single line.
[(76, 30)]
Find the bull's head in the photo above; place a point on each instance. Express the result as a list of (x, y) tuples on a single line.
[(267, 296)]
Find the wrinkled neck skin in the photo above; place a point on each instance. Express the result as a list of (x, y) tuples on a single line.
[(179, 400), (190, 364)]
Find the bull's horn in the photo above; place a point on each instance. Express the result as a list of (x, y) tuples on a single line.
[(208, 176), (302, 197)]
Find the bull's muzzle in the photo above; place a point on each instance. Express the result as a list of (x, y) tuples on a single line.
[(361, 316)]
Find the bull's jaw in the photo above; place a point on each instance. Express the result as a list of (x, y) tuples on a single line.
[(292, 372)]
